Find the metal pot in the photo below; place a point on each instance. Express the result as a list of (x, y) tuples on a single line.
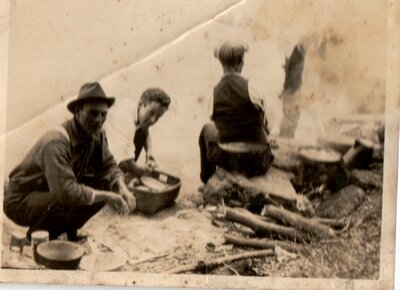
[(60, 254), (360, 155)]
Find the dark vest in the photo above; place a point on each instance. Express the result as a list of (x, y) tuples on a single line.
[(235, 116), (139, 141)]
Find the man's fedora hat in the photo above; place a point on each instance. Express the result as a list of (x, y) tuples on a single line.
[(89, 92)]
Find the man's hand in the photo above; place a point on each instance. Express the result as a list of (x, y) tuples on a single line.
[(151, 162), (128, 197), (119, 204), (113, 199)]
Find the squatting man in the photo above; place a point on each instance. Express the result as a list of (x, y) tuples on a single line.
[(70, 173)]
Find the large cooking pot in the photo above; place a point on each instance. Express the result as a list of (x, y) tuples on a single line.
[(60, 254)]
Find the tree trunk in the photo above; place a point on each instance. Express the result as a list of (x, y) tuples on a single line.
[(290, 94)]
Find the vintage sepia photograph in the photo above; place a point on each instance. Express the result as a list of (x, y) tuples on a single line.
[(241, 144)]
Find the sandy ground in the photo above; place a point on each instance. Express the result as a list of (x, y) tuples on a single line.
[(343, 75)]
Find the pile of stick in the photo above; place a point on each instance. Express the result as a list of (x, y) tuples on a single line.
[(276, 226)]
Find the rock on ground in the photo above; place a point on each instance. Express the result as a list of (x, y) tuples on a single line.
[(342, 203), (366, 179)]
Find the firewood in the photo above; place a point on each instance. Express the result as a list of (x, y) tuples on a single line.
[(260, 226), (334, 223), (203, 265), (261, 217), (243, 230), (299, 222), (262, 243), (150, 259)]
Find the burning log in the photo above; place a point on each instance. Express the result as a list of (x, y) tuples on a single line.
[(260, 226), (299, 222), (207, 265), (262, 243)]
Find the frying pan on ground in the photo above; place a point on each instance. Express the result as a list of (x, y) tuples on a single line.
[(106, 261)]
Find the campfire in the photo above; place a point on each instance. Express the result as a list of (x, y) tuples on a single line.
[(308, 196)]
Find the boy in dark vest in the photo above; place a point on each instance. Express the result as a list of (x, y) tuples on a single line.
[(237, 140)]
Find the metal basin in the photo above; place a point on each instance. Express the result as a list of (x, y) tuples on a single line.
[(60, 254)]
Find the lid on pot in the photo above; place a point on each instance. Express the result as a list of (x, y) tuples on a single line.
[(320, 155)]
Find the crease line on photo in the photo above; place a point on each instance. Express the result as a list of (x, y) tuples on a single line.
[(156, 52)]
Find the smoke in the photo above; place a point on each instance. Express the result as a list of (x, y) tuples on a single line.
[(338, 79)]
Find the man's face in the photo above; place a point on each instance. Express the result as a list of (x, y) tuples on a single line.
[(149, 113), (91, 116)]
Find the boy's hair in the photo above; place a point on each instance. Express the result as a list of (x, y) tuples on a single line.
[(155, 95), (230, 54)]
